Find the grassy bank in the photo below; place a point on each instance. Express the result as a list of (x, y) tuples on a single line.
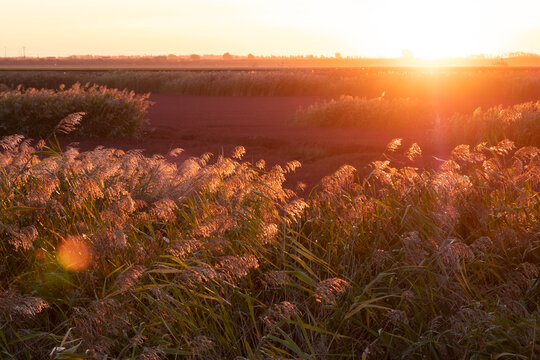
[(520, 122), (108, 112)]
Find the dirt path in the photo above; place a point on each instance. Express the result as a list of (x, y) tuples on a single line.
[(217, 124)]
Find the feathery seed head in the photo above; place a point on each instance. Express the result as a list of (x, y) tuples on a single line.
[(129, 278), (413, 152), (69, 123), (238, 152), (10, 143), (328, 291), (276, 278), (278, 313), (394, 145)]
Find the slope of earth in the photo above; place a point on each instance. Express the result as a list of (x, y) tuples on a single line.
[(217, 124)]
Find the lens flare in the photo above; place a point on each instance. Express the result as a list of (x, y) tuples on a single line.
[(74, 254)]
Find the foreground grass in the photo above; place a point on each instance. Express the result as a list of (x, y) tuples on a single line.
[(118, 254)]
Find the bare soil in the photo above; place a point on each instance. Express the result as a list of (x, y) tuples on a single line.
[(217, 124)]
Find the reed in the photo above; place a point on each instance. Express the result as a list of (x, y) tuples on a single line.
[(448, 84), (112, 253), (520, 122), (107, 112)]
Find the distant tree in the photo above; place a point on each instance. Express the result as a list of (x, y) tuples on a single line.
[(250, 56), (194, 57), (227, 56), (337, 55)]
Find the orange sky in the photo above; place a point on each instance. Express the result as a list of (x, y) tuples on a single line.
[(429, 28)]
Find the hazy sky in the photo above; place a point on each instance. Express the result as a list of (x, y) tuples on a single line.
[(430, 28)]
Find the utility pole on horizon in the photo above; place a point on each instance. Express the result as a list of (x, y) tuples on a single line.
[(24, 51), (5, 51)]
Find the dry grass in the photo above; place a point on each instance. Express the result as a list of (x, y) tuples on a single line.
[(520, 122), (107, 112), (444, 83), (376, 113), (107, 253)]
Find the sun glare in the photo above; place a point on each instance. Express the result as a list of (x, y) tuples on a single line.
[(428, 28), (74, 254)]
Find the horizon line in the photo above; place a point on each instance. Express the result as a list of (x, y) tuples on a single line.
[(336, 55)]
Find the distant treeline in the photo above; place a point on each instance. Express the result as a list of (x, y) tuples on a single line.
[(446, 84)]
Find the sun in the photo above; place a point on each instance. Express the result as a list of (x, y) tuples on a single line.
[(430, 29), (437, 44)]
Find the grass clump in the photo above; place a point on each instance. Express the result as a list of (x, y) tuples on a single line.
[(108, 253), (377, 113), (520, 122), (109, 112)]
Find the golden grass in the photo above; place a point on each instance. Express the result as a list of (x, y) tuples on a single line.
[(213, 258), (94, 111), (444, 83), (520, 122)]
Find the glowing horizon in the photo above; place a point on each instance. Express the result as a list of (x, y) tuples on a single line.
[(429, 29)]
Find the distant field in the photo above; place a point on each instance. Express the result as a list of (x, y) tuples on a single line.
[(519, 84)]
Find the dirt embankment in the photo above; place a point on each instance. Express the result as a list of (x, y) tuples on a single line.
[(217, 124)]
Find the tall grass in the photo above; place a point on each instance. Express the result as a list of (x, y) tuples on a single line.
[(375, 113), (520, 122), (108, 112), (107, 253), (446, 83)]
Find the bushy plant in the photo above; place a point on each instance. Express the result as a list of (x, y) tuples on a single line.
[(520, 122), (377, 113), (108, 112), (108, 253)]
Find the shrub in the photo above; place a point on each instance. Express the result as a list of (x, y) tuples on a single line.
[(109, 112), (520, 122), (378, 113)]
